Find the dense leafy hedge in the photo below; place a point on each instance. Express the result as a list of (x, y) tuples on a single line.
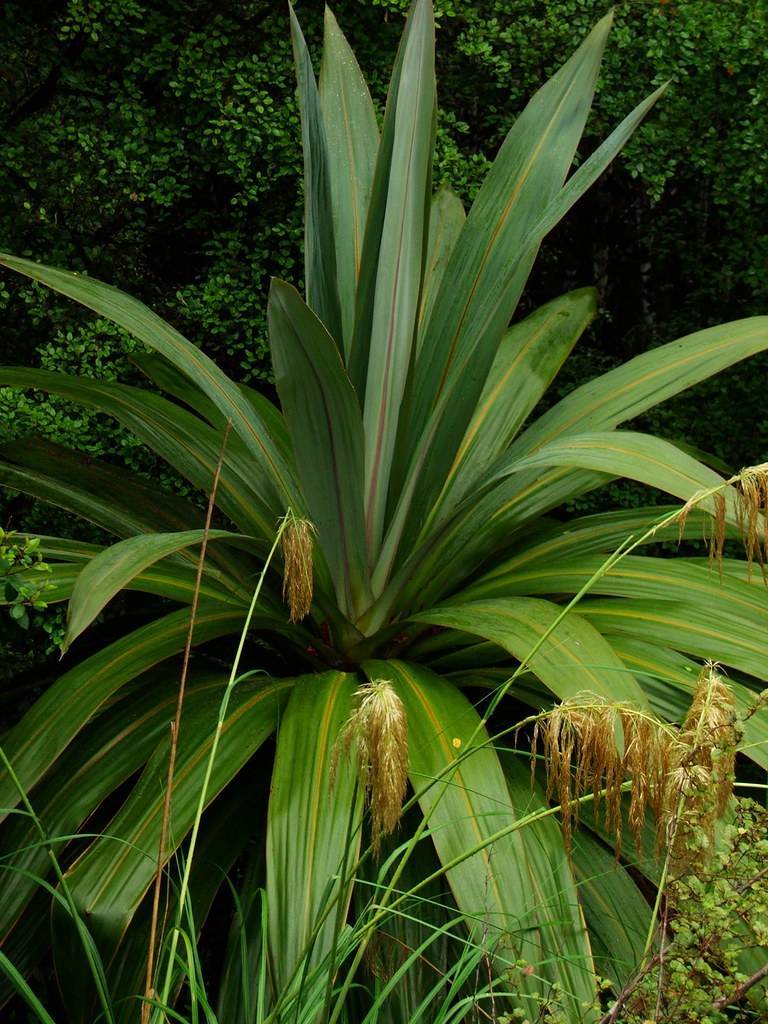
[(156, 145)]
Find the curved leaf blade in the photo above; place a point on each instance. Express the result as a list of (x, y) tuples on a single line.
[(446, 219), (310, 818), (145, 325), (573, 658), (176, 582), (319, 243), (114, 568), (63, 710), (586, 535), (645, 381), (517, 891), (109, 880), (179, 437), (107, 753), (324, 421), (529, 356), (113, 498), (353, 142), (485, 278), (400, 263), (681, 627), (624, 453), (660, 579)]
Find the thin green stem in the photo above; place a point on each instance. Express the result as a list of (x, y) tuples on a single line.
[(384, 907), (83, 934), (661, 887), (223, 708)]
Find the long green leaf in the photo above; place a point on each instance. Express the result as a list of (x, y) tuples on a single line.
[(63, 549), (645, 381), (106, 495), (218, 848), (107, 753), (591, 169), (171, 380), (109, 880), (572, 659), (486, 275), (446, 219), (110, 496), (483, 526), (517, 892), (527, 360), (176, 582), (311, 817), (353, 141), (62, 711), (140, 321), (319, 245), (481, 288), (682, 627), (626, 453), (400, 263), (188, 444), (555, 541), (377, 211), (324, 420), (617, 914), (115, 567), (578, 464), (660, 579)]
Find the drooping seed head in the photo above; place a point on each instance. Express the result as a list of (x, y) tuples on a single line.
[(592, 745), (751, 510), (750, 499), (377, 733), (297, 545), (709, 737)]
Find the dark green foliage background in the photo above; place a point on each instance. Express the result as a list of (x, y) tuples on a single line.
[(155, 145)]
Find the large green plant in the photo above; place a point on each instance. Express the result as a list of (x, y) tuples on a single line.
[(406, 436)]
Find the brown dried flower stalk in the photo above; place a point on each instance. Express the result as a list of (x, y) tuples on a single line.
[(751, 510), (684, 777), (751, 507), (296, 544), (704, 774), (592, 745), (377, 731)]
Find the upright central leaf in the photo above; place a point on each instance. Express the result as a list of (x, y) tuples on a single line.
[(313, 834), (400, 259), (483, 282), (353, 144), (323, 419), (319, 245)]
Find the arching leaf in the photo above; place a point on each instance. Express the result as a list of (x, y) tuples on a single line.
[(314, 826), (572, 658), (516, 891)]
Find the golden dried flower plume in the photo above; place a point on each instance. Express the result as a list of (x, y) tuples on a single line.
[(749, 504), (377, 733), (583, 754), (297, 544), (709, 737), (683, 776)]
